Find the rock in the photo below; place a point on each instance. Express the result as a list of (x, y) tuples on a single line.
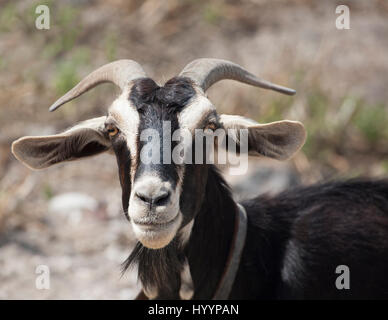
[(72, 205), (266, 179)]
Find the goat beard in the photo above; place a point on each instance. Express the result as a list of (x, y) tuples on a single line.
[(158, 269)]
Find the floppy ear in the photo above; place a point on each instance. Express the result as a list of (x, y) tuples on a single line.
[(279, 140), (83, 140)]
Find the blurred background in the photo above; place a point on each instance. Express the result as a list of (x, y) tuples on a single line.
[(69, 217)]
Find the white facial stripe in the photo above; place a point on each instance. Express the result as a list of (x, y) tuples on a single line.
[(190, 118), (194, 113), (127, 118)]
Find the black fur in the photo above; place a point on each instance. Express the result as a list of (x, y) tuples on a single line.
[(172, 97), (297, 239), (158, 268), (211, 237)]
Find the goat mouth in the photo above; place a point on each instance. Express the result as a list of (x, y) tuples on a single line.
[(154, 225), (156, 235)]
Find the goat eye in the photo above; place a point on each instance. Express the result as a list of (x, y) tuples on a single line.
[(112, 130)]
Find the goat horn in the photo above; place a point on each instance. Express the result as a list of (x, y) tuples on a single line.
[(206, 72), (120, 72)]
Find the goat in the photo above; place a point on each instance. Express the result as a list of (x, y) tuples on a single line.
[(184, 215)]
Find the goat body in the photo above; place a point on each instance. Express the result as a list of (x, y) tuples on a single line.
[(295, 242)]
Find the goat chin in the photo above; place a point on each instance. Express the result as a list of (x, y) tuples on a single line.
[(157, 236)]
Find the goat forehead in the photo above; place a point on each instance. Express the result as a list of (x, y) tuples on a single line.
[(131, 121)]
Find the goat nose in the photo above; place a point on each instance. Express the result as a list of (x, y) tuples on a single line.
[(154, 199)]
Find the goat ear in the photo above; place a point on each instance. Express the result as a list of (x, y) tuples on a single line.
[(279, 140), (83, 140)]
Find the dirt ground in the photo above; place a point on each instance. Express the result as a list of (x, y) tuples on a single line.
[(69, 217)]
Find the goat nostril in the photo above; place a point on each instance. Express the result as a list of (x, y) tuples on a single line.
[(157, 200), (161, 198), (143, 197)]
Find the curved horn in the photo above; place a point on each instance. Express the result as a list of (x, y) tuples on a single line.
[(120, 72), (206, 72)]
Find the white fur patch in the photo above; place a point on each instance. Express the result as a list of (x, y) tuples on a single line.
[(190, 118), (151, 292), (186, 291), (127, 119), (139, 212), (192, 115), (185, 233)]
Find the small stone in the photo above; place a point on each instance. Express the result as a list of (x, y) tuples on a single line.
[(72, 205)]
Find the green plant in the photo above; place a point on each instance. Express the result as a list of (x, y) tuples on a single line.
[(372, 121), (67, 73), (48, 191), (111, 46), (8, 17), (212, 13)]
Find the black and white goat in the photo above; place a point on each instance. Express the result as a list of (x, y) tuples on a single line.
[(184, 216)]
